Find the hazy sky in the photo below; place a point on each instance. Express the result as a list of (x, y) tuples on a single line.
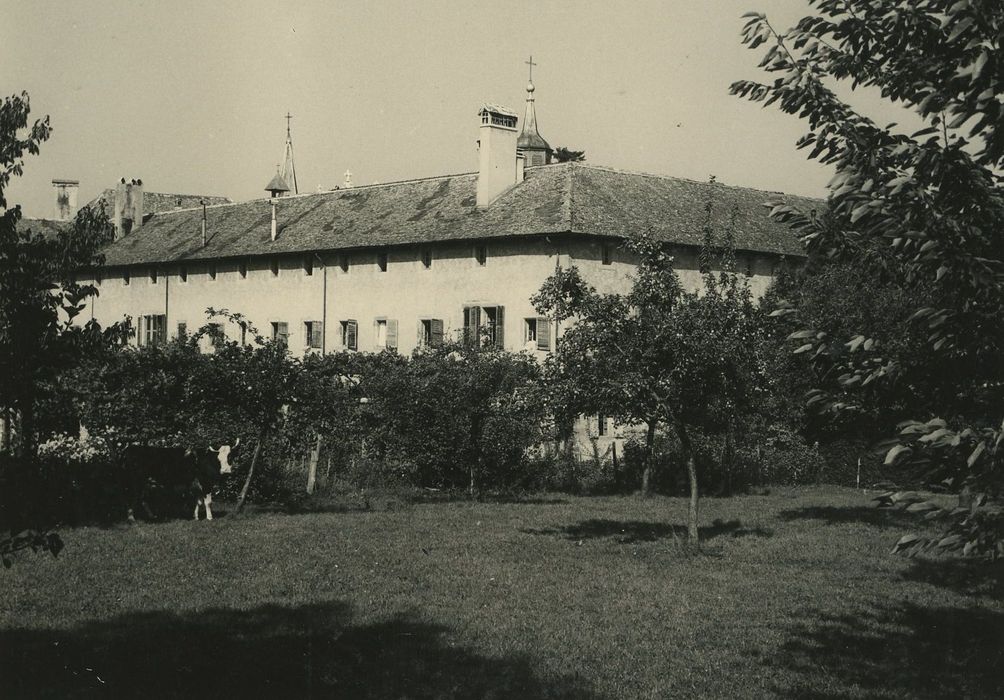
[(191, 96)]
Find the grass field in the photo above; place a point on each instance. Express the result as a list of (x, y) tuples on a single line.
[(794, 594)]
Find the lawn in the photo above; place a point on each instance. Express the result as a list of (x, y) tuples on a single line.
[(794, 594)]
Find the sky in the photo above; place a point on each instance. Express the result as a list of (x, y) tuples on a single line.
[(191, 97)]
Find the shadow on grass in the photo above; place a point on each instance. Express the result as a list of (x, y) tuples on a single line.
[(270, 651), (909, 651), (635, 531), (836, 515), (971, 577), (357, 502)]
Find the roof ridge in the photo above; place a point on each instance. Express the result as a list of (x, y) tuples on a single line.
[(658, 176)]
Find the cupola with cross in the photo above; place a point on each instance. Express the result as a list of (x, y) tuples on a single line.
[(530, 143)]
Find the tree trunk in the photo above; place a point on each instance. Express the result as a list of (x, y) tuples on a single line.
[(688, 452), (646, 474), (728, 454), (247, 481), (312, 472)]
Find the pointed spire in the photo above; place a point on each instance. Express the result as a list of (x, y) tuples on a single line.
[(288, 170), (530, 142)]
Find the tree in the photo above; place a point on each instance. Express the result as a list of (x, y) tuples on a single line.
[(39, 301), (252, 384), (659, 355), (460, 414), (567, 155), (926, 209)]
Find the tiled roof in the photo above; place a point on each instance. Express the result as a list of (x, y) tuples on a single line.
[(156, 202), (564, 198), (49, 228)]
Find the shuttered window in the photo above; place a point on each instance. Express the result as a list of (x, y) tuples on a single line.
[(484, 325), (430, 332), (313, 333), (182, 330), (280, 331), (350, 335), (152, 329)]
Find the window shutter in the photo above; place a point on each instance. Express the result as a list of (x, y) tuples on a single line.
[(352, 335), (499, 330), (437, 331), (139, 331), (472, 325), (282, 331), (392, 333), (316, 333), (543, 333)]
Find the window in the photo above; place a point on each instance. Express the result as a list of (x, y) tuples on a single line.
[(183, 273), (343, 262), (386, 333), (308, 265), (313, 333), (242, 268), (212, 270), (280, 332), (484, 325), (152, 329), (430, 332), (601, 425), (537, 334), (274, 265), (481, 254), (382, 261), (426, 258), (125, 277), (350, 335), (607, 254), (182, 330)]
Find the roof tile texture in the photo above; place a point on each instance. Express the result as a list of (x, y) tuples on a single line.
[(569, 197)]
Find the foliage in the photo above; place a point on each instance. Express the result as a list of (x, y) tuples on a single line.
[(454, 414), (39, 302), (925, 208), (567, 155), (658, 355)]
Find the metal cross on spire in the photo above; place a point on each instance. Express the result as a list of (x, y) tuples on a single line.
[(531, 64), (288, 117)]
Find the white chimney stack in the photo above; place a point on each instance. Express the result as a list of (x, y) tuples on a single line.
[(497, 170), (128, 207), (66, 198)]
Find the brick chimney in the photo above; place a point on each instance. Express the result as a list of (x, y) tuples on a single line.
[(128, 207), (497, 170), (66, 198)]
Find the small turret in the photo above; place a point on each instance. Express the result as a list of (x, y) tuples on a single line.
[(530, 143)]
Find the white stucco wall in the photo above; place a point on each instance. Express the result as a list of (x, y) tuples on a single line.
[(406, 292)]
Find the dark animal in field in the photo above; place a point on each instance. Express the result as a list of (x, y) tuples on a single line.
[(190, 473)]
